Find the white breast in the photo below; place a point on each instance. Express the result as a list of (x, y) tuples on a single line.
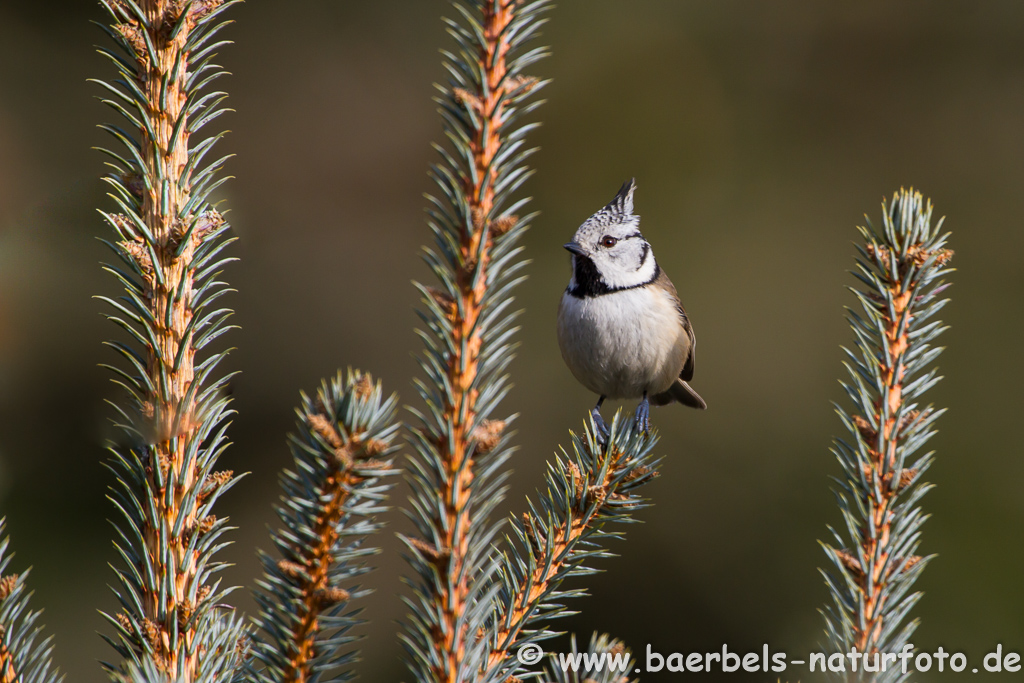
[(622, 344)]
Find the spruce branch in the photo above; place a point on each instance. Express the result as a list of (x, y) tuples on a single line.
[(562, 533), (24, 658), (168, 241), (606, 660), (342, 448), (457, 472), (900, 267)]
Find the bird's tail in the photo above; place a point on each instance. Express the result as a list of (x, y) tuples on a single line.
[(684, 393)]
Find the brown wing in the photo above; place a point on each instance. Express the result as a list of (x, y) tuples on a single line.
[(666, 284)]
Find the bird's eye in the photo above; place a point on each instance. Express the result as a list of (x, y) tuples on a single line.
[(608, 241)]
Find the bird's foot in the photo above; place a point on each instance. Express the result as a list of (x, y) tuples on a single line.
[(602, 432), (643, 415)]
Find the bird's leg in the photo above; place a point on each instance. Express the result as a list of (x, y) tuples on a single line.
[(643, 414), (599, 423)]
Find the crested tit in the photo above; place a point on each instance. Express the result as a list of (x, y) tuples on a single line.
[(621, 328)]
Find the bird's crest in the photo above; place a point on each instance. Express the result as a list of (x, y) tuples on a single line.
[(623, 202), (618, 211)]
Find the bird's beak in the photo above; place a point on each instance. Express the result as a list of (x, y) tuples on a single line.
[(574, 248)]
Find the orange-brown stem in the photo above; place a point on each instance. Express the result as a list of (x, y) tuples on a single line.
[(532, 589), (866, 638), (171, 408), (8, 674), (450, 638), (317, 592)]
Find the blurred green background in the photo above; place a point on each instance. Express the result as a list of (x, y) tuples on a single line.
[(759, 132)]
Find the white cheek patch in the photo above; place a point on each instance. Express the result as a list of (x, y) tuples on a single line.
[(617, 278), (618, 275), (648, 269)]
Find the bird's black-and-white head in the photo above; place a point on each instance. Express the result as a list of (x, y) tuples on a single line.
[(608, 252)]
